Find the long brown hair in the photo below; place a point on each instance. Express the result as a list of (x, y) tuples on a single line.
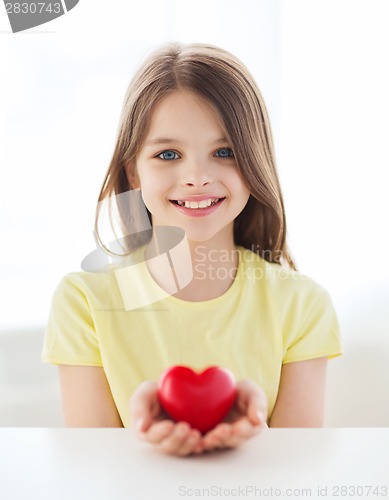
[(226, 84)]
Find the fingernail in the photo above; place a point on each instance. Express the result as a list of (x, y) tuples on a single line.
[(261, 416), (199, 448)]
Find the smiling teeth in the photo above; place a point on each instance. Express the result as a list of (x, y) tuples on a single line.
[(200, 204)]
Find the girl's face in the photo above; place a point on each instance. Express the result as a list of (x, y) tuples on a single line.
[(187, 172)]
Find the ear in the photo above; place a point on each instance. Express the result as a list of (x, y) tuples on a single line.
[(132, 175)]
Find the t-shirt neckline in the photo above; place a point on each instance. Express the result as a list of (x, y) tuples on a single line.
[(234, 287)]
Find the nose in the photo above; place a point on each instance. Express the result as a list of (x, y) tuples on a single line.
[(197, 174)]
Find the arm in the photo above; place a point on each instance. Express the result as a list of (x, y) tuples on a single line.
[(86, 397), (301, 395)]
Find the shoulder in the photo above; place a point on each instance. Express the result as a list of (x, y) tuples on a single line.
[(282, 283), (301, 307), (100, 276), (84, 281), (95, 289)]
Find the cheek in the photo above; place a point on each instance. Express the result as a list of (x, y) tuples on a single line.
[(149, 198), (153, 189), (239, 187), (242, 200)]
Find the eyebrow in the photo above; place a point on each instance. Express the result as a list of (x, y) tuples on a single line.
[(171, 140)]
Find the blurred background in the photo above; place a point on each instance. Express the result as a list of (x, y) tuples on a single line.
[(323, 71)]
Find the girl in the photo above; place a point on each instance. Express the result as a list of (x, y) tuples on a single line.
[(195, 146)]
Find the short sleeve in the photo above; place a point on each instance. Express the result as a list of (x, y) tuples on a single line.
[(313, 329), (70, 336)]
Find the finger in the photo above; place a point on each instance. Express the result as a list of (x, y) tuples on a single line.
[(243, 427), (220, 432), (230, 435), (158, 432), (144, 406), (217, 436), (242, 430), (252, 401), (190, 444), (199, 447), (175, 439), (239, 432)]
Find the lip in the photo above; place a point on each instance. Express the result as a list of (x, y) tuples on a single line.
[(197, 212), (199, 197)]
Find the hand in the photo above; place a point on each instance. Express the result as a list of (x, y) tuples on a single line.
[(245, 419), (153, 425)]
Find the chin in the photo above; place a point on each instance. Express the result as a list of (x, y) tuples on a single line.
[(202, 236), (199, 236), (198, 240)]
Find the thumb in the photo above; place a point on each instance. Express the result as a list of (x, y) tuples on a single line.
[(141, 404), (256, 416), (256, 401), (142, 424)]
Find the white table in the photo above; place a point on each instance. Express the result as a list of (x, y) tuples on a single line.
[(73, 464)]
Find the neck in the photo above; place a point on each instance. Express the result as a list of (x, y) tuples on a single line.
[(214, 265), (214, 270)]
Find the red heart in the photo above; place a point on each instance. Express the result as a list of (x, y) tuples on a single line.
[(201, 399)]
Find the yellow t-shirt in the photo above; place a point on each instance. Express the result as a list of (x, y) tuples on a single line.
[(269, 316)]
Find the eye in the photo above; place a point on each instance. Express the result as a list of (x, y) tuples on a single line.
[(167, 155), (225, 153)]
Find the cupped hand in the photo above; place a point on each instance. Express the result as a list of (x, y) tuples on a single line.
[(245, 419), (153, 425)]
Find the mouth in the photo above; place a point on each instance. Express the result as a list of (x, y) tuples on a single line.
[(197, 205)]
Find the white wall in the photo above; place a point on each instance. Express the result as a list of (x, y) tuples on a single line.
[(334, 159), (64, 91), (332, 147), (322, 69)]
